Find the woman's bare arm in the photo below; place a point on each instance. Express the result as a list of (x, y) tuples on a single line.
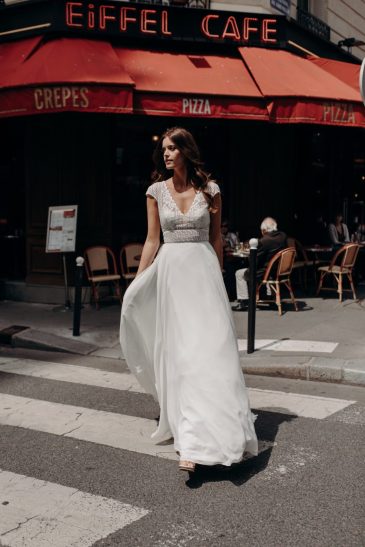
[(152, 242), (215, 236)]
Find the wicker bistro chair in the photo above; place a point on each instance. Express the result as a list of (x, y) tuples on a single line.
[(101, 268), (130, 256), (277, 273), (345, 258)]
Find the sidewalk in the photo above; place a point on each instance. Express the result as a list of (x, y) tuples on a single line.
[(325, 340)]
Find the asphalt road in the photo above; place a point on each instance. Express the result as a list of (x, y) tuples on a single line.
[(306, 487)]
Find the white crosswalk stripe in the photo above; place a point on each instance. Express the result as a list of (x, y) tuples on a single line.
[(302, 346), (306, 406), (97, 426), (71, 373), (35, 513)]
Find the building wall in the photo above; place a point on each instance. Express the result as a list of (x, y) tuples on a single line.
[(346, 18)]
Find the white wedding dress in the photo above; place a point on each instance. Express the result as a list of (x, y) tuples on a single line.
[(178, 338)]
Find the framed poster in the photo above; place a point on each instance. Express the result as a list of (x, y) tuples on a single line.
[(61, 229)]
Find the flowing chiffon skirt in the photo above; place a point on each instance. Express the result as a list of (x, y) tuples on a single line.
[(178, 338)]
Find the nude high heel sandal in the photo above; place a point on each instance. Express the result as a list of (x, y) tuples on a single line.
[(185, 465)]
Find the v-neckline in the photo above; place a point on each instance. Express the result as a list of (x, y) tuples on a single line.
[(176, 205)]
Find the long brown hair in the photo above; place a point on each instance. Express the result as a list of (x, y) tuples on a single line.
[(185, 142)]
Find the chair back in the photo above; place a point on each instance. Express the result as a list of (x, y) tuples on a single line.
[(349, 254), (130, 256), (283, 261), (99, 259)]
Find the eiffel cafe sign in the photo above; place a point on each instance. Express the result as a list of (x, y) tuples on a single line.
[(141, 21)]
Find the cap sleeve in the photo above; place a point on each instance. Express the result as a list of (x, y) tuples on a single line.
[(213, 188), (152, 191)]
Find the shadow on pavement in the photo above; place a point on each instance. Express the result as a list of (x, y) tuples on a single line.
[(267, 426), (287, 307)]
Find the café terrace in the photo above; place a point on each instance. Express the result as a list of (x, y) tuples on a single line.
[(86, 88)]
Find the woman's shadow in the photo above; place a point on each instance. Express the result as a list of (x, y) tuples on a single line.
[(267, 426)]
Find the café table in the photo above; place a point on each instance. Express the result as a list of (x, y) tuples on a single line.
[(241, 254), (320, 254)]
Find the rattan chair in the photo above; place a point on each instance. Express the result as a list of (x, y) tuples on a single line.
[(277, 273), (101, 268), (341, 265), (130, 256)]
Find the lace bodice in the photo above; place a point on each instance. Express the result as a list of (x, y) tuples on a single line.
[(178, 227)]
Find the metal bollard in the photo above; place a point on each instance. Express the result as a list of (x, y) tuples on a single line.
[(77, 303), (251, 320)]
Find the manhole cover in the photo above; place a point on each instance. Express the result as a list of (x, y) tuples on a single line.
[(7, 333)]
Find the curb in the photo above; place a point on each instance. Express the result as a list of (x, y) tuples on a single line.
[(318, 369), (295, 367), (36, 339)]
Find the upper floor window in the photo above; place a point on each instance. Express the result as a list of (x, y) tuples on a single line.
[(303, 5)]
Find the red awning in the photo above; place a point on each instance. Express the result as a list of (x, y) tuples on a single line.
[(347, 72), (65, 74), (176, 84), (74, 74), (14, 54), (300, 91)]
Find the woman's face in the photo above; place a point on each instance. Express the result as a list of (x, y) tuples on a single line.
[(172, 156), (338, 219)]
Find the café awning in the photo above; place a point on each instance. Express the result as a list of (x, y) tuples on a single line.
[(63, 74), (74, 74), (298, 90), (347, 72), (177, 84), (47, 75)]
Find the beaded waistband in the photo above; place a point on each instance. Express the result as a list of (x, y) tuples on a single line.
[(185, 236)]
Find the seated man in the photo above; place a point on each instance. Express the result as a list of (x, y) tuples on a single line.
[(271, 242)]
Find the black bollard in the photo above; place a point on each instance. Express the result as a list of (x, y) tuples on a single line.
[(77, 302), (251, 320)]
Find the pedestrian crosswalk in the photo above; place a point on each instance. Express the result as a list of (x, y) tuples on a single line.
[(57, 515), (306, 406)]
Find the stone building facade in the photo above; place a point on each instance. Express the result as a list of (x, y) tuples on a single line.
[(345, 18)]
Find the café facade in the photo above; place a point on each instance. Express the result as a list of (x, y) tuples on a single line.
[(86, 88)]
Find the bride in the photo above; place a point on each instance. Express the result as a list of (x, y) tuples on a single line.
[(177, 331)]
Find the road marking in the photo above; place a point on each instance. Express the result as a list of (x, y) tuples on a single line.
[(35, 512), (132, 433), (306, 406), (73, 373), (309, 346), (259, 344), (97, 426)]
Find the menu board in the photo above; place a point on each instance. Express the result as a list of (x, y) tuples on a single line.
[(61, 229)]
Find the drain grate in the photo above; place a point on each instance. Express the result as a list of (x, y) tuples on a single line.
[(7, 333)]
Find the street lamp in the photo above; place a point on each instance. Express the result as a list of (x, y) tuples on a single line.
[(350, 43)]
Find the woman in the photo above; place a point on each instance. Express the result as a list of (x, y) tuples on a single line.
[(177, 331), (338, 231)]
